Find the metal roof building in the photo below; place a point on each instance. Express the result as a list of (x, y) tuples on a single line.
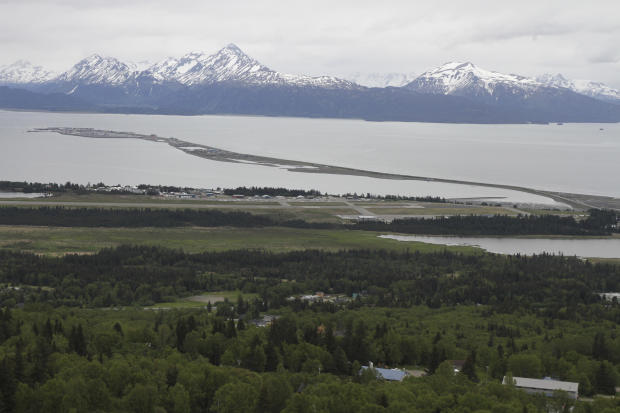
[(388, 374), (546, 386)]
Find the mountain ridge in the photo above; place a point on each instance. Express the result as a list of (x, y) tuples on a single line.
[(590, 88), (22, 71), (229, 81)]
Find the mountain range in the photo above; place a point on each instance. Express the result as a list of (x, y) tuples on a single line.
[(231, 82)]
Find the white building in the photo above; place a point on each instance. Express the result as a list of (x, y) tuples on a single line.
[(545, 386)]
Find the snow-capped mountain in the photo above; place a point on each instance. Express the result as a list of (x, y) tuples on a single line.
[(511, 94), (23, 72), (466, 79), (230, 64), (595, 90), (381, 79), (232, 82), (96, 69)]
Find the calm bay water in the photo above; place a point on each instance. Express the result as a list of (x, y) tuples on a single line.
[(573, 157), (581, 247)]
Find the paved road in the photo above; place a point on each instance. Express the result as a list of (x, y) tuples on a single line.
[(361, 210)]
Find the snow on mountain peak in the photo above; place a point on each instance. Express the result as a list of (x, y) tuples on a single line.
[(233, 48), (231, 64), (96, 69), (455, 77), (392, 79), (22, 72), (595, 90)]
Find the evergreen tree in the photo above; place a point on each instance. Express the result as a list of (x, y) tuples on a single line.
[(469, 367)]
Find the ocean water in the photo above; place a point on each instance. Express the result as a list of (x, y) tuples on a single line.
[(580, 158)]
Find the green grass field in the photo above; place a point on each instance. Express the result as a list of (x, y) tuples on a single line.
[(317, 203), (306, 214), (202, 300), (57, 240), (451, 210)]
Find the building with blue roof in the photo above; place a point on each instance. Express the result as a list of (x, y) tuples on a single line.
[(387, 374)]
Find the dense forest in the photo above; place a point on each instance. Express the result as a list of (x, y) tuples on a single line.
[(548, 284), (599, 222), (38, 187), (74, 335)]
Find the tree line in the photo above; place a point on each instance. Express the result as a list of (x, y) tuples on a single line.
[(552, 285), (599, 222)]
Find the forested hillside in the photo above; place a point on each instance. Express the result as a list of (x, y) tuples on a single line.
[(74, 334), (153, 329)]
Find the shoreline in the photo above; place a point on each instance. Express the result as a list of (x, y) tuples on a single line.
[(254, 115), (575, 201)]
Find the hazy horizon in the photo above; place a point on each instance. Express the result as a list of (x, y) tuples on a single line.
[(324, 38)]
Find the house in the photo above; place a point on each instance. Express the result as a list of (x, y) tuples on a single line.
[(457, 365), (545, 386), (266, 321), (386, 374), (610, 296)]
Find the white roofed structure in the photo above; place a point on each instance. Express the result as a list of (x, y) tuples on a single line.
[(546, 386)]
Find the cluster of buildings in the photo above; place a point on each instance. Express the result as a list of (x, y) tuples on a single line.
[(547, 386), (321, 297), (127, 189), (132, 189)]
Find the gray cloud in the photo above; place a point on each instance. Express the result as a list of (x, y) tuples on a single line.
[(325, 37)]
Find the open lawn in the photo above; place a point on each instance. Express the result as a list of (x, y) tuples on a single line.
[(56, 240), (202, 300), (613, 261), (305, 214), (317, 203), (453, 210)]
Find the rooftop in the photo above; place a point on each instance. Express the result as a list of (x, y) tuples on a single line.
[(545, 384), (389, 374)]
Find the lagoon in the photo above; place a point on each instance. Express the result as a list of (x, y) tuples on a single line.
[(581, 247)]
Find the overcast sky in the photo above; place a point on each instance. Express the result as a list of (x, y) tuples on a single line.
[(580, 39)]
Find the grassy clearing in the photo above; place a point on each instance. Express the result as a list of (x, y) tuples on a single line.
[(118, 198), (317, 203), (484, 210), (276, 211), (553, 212), (384, 204), (613, 261), (57, 241), (202, 300)]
